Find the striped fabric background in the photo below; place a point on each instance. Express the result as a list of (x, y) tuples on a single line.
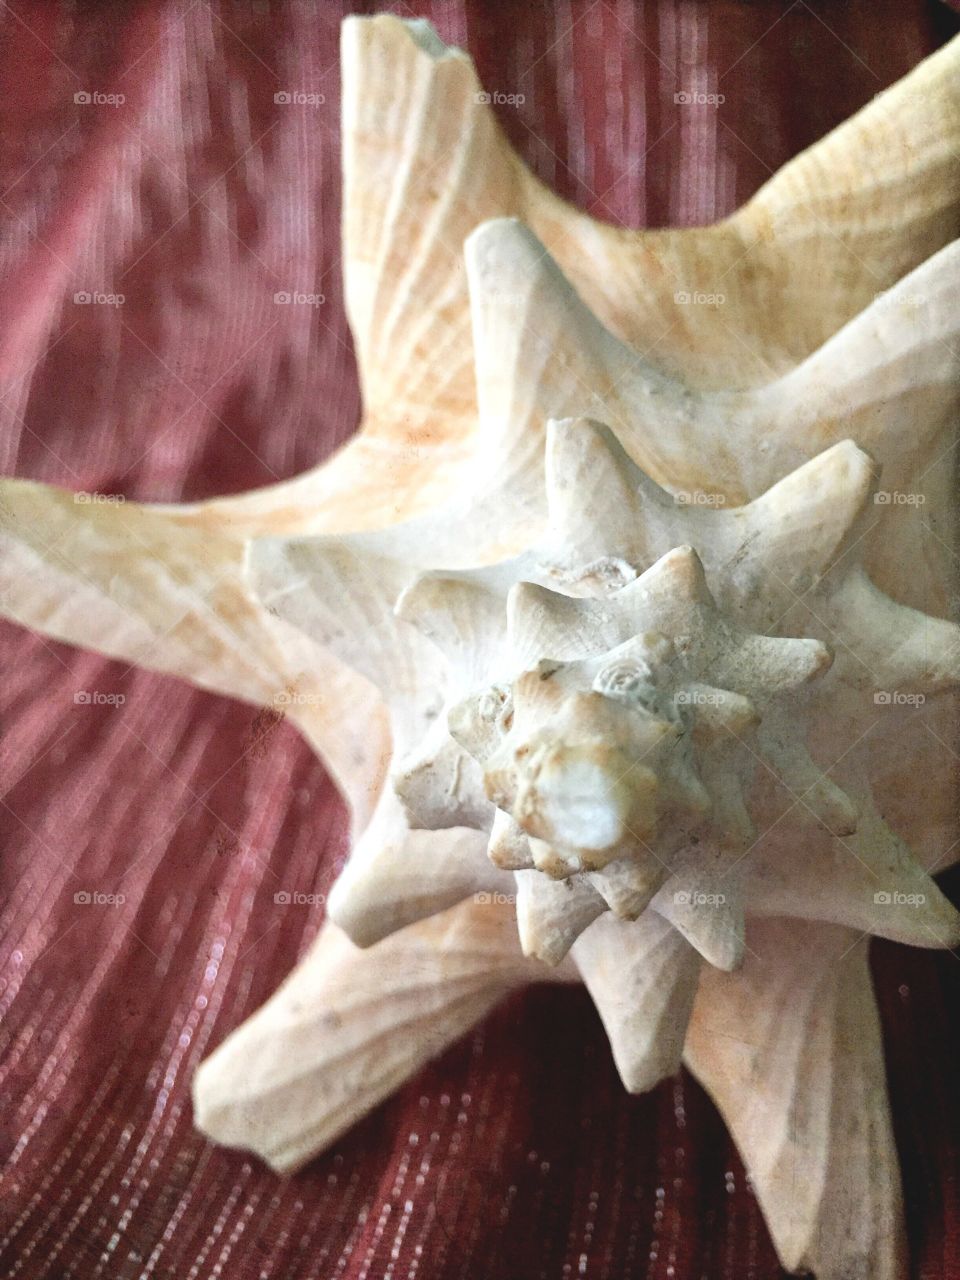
[(518, 1155)]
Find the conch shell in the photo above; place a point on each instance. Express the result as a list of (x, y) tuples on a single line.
[(607, 630)]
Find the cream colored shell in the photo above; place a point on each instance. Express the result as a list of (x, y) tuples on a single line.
[(645, 685)]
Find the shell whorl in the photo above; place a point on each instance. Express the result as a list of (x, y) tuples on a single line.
[(607, 716)]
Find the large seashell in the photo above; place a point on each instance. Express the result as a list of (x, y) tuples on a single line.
[(616, 657)]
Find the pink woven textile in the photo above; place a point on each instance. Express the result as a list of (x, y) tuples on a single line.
[(196, 196)]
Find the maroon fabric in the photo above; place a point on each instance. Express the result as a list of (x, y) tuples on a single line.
[(518, 1154)]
